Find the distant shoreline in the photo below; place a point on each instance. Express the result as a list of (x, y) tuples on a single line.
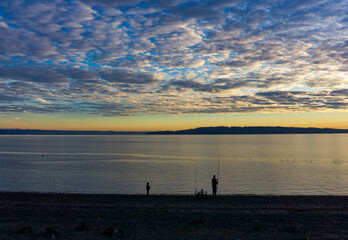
[(194, 131), (250, 130), (64, 132)]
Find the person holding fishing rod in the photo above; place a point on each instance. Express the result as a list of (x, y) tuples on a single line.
[(214, 183), (214, 180)]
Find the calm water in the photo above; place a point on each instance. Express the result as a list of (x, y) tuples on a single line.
[(249, 164)]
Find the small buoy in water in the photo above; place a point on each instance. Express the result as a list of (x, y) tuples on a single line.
[(42, 155)]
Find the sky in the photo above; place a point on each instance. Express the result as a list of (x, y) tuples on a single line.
[(167, 65)]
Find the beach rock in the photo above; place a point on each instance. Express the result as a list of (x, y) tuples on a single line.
[(82, 227), (50, 233), (292, 229), (257, 228), (197, 221), (26, 229), (121, 233), (109, 232)]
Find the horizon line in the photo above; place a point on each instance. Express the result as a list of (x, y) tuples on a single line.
[(130, 131)]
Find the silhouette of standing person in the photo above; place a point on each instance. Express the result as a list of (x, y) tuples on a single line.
[(214, 183), (147, 189)]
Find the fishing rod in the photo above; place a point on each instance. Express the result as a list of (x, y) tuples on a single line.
[(218, 175), (195, 180)]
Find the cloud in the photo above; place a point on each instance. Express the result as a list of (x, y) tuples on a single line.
[(80, 74), (196, 10), (217, 85), (128, 76), (2, 23), (340, 92), (7, 99), (111, 3), (114, 57), (32, 74), (283, 97), (42, 100)]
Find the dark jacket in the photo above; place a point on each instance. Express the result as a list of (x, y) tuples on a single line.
[(214, 182)]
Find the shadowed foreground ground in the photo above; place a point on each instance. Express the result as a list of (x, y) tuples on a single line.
[(75, 216)]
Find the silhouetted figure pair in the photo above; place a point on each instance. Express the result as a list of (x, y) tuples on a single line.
[(214, 183), (147, 189)]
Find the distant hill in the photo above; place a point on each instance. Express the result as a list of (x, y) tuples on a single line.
[(253, 130), (200, 130), (61, 132)]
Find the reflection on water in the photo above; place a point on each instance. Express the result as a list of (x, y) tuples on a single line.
[(249, 164)]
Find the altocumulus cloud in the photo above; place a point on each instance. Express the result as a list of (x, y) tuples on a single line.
[(113, 57)]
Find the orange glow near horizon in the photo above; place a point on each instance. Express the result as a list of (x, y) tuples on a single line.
[(172, 122)]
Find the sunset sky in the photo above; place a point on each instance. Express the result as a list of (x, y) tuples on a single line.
[(167, 65)]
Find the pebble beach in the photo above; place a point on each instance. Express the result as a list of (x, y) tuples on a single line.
[(89, 216)]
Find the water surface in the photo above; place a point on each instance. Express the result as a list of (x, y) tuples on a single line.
[(176, 164)]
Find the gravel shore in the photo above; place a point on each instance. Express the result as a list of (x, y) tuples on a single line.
[(88, 216)]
